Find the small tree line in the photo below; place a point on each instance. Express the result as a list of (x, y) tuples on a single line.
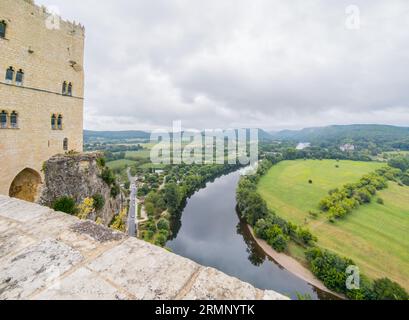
[(341, 202)]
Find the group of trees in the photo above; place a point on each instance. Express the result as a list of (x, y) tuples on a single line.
[(342, 201), (267, 225), (331, 269), (276, 153), (111, 149), (401, 163)]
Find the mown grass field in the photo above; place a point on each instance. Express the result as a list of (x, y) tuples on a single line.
[(375, 236), (120, 163)]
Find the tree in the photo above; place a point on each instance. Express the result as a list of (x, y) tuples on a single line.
[(400, 162), (172, 197), (163, 224)]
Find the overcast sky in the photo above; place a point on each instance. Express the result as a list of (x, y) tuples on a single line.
[(271, 64)]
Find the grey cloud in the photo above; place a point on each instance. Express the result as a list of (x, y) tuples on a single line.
[(263, 63)]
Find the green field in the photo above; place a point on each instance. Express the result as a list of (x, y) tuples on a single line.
[(375, 236), (145, 154), (119, 164)]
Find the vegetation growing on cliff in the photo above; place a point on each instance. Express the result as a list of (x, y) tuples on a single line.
[(65, 204)]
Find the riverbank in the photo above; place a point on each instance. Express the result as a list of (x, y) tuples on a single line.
[(292, 265)]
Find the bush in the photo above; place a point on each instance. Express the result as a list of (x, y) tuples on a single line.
[(329, 268), (306, 236), (65, 204), (161, 238), (99, 201), (163, 224), (380, 201), (385, 289), (279, 243), (101, 162), (115, 190), (108, 176)]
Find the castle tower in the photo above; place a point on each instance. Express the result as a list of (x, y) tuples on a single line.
[(41, 93)]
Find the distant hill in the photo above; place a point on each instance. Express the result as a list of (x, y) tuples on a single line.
[(115, 135), (338, 133), (122, 135)]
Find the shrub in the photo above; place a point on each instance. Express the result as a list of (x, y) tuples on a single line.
[(163, 224), (99, 201), (147, 235), (279, 243), (115, 190), (101, 162), (385, 289), (161, 240), (118, 222), (108, 176), (405, 179), (151, 225), (85, 208), (310, 181), (276, 238), (306, 236), (65, 204), (380, 201)]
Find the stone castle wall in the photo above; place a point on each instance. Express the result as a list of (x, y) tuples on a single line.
[(48, 57)]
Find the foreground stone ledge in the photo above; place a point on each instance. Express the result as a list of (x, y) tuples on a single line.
[(51, 255)]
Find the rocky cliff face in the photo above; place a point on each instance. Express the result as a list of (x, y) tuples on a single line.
[(79, 176)]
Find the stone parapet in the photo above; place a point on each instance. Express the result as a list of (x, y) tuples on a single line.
[(50, 255)]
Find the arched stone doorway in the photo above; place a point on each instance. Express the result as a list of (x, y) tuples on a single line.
[(25, 185)]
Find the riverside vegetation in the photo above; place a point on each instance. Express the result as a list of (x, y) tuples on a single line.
[(327, 266), (165, 204)]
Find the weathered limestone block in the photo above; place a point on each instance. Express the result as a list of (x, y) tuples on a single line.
[(51, 255), (145, 271), (82, 285), (212, 284), (34, 268)]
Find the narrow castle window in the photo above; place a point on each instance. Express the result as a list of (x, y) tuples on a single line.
[(59, 122), (65, 144), (3, 27), (19, 77), (14, 120), (3, 119), (53, 122), (69, 92), (64, 88), (9, 74)]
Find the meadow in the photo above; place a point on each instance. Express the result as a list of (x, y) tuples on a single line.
[(375, 236)]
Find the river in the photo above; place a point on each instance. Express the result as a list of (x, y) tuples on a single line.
[(211, 233)]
